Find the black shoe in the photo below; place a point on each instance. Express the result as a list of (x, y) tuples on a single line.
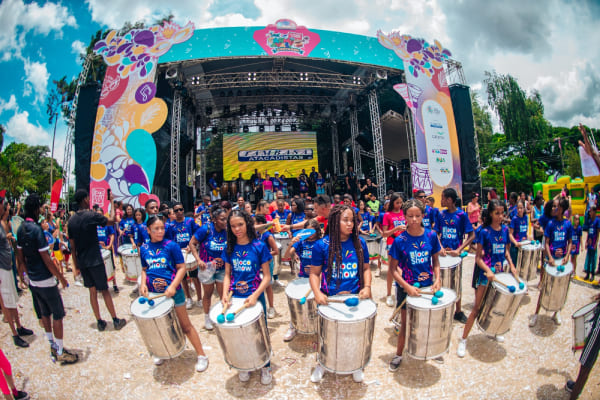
[(569, 386), (119, 323), (116, 289), (21, 395), (587, 277), (22, 331), (101, 325), (19, 342), (460, 317), (53, 353), (67, 357)]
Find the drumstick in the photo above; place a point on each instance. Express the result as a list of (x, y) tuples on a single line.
[(398, 309), (510, 288), (303, 299), (350, 302), (437, 294), (521, 284), (221, 317), (231, 316)]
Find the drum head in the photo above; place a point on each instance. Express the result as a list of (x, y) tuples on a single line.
[(123, 248), (552, 270), (130, 252), (161, 306), (105, 253), (584, 310), (281, 236), (508, 280), (243, 318), (343, 313), (423, 302), (449, 261), (297, 288), (529, 247), (189, 258)]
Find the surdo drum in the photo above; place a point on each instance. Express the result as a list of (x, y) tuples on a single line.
[(373, 244), (451, 274), (108, 264), (583, 319), (131, 262), (528, 260), (284, 240), (345, 335), (499, 305), (303, 316), (159, 327), (555, 286), (245, 340)]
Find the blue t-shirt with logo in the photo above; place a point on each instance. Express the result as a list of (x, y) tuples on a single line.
[(104, 233), (366, 221), (345, 278), (182, 232), (276, 184), (519, 226), (428, 217), (281, 215), (126, 226), (212, 242), (246, 262), (415, 256), (304, 250), (576, 239), (140, 234), (494, 245), (558, 233), (303, 186), (160, 259), (592, 234), (512, 211), (452, 226)]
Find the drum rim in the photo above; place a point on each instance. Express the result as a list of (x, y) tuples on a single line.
[(434, 306), (502, 289), (166, 299), (229, 325), (353, 321), (311, 295), (574, 316)]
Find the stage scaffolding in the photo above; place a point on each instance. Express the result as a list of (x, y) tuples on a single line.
[(175, 139), (377, 143)]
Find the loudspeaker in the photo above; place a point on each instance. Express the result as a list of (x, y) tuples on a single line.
[(89, 96), (465, 131)]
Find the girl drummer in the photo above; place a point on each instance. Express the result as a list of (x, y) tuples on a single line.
[(163, 269), (414, 257), (492, 251), (269, 240), (126, 224), (212, 238), (353, 275), (304, 250), (557, 235), (393, 223), (245, 257), (518, 230)]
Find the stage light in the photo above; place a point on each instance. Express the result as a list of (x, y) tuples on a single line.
[(278, 128), (195, 80), (208, 110), (356, 80), (246, 129), (171, 73), (303, 76), (261, 128), (293, 127), (251, 76)]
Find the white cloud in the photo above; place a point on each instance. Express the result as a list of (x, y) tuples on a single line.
[(36, 81), (77, 48), (17, 19), (21, 130), (11, 104)]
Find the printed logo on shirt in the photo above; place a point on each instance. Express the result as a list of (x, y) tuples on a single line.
[(241, 287)]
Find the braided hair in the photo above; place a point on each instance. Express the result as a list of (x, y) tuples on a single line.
[(335, 243), (250, 230)]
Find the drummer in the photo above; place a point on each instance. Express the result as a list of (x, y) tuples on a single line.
[(492, 252), (393, 224), (342, 237), (414, 257), (304, 250), (106, 236), (519, 224), (558, 235), (140, 231), (296, 215), (591, 244), (126, 224), (245, 257), (267, 238), (163, 269), (181, 231), (207, 245)]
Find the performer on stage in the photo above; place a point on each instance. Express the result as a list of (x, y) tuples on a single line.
[(414, 257), (340, 265), (163, 269), (492, 251), (213, 186)]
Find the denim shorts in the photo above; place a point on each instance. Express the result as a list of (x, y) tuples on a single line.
[(179, 297), (218, 276)]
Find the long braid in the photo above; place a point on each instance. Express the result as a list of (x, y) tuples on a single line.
[(335, 243)]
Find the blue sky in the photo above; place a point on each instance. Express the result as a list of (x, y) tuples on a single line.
[(550, 46)]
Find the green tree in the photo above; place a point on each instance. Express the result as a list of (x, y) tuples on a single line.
[(35, 161), (482, 122)]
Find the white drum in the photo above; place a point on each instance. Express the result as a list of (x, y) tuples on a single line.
[(345, 335), (499, 305), (303, 316), (283, 239), (131, 262), (555, 286), (159, 327), (451, 273), (583, 320), (108, 264), (245, 340), (190, 261)]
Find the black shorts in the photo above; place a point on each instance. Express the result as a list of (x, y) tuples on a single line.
[(592, 343), (476, 271), (193, 274), (95, 277), (400, 296), (47, 301)]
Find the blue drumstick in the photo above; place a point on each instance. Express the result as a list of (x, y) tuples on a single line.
[(303, 299), (350, 302), (221, 317)]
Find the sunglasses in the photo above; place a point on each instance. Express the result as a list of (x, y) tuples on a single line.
[(310, 209), (178, 209), (422, 197)]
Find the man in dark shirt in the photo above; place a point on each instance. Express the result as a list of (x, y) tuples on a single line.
[(85, 248), (33, 256)]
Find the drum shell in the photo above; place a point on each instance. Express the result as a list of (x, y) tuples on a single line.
[(162, 335), (528, 261), (345, 346), (553, 293), (429, 331), (133, 266), (374, 245), (284, 241), (233, 190), (303, 316), (582, 325), (224, 190), (452, 278), (498, 310), (245, 347), (108, 265)]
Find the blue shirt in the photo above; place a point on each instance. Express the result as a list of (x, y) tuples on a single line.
[(452, 226), (213, 183), (182, 232), (494, 245), (543, 221), (576, 239), (429, 217), (592, 238), (160, 261), (140, 234), (104, 233), (246, 262), (212, 243), (304, 250), (281, 215), (126, 226), (303, 186), (276, 184), (477, 233), (512, 211), (519, 226), (366, 221), (559, 233), (415, 256), (320, 182), (345, 278), (49, 238)]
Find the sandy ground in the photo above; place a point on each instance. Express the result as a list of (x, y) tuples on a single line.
[(531, 363)]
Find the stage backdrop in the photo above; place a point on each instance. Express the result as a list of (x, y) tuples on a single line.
[(284, 152), (426, 94)]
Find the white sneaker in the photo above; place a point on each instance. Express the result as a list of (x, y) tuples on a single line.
[(378, 273), (157, 361), (557, 318), (499, 338), (290, 334), (358, 376), (271, 313), (189, 303), (199, 303), (244, 376), (317, 374), (389, 301), (265, 376), (462, 348), (79, 280), (208, 323), (202, 364), (533, 320)]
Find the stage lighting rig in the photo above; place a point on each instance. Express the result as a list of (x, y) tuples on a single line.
[(356, 80), (304, 76), (195, 80), (251, 76)]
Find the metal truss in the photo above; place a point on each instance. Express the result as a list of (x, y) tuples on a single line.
[(175, 136), (388, 161), (410, 135), (454, 72), (336, 149), (190, 165), (355, 148), (377, 143)]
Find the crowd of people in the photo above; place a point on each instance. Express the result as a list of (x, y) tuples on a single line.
[(236, 241)]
